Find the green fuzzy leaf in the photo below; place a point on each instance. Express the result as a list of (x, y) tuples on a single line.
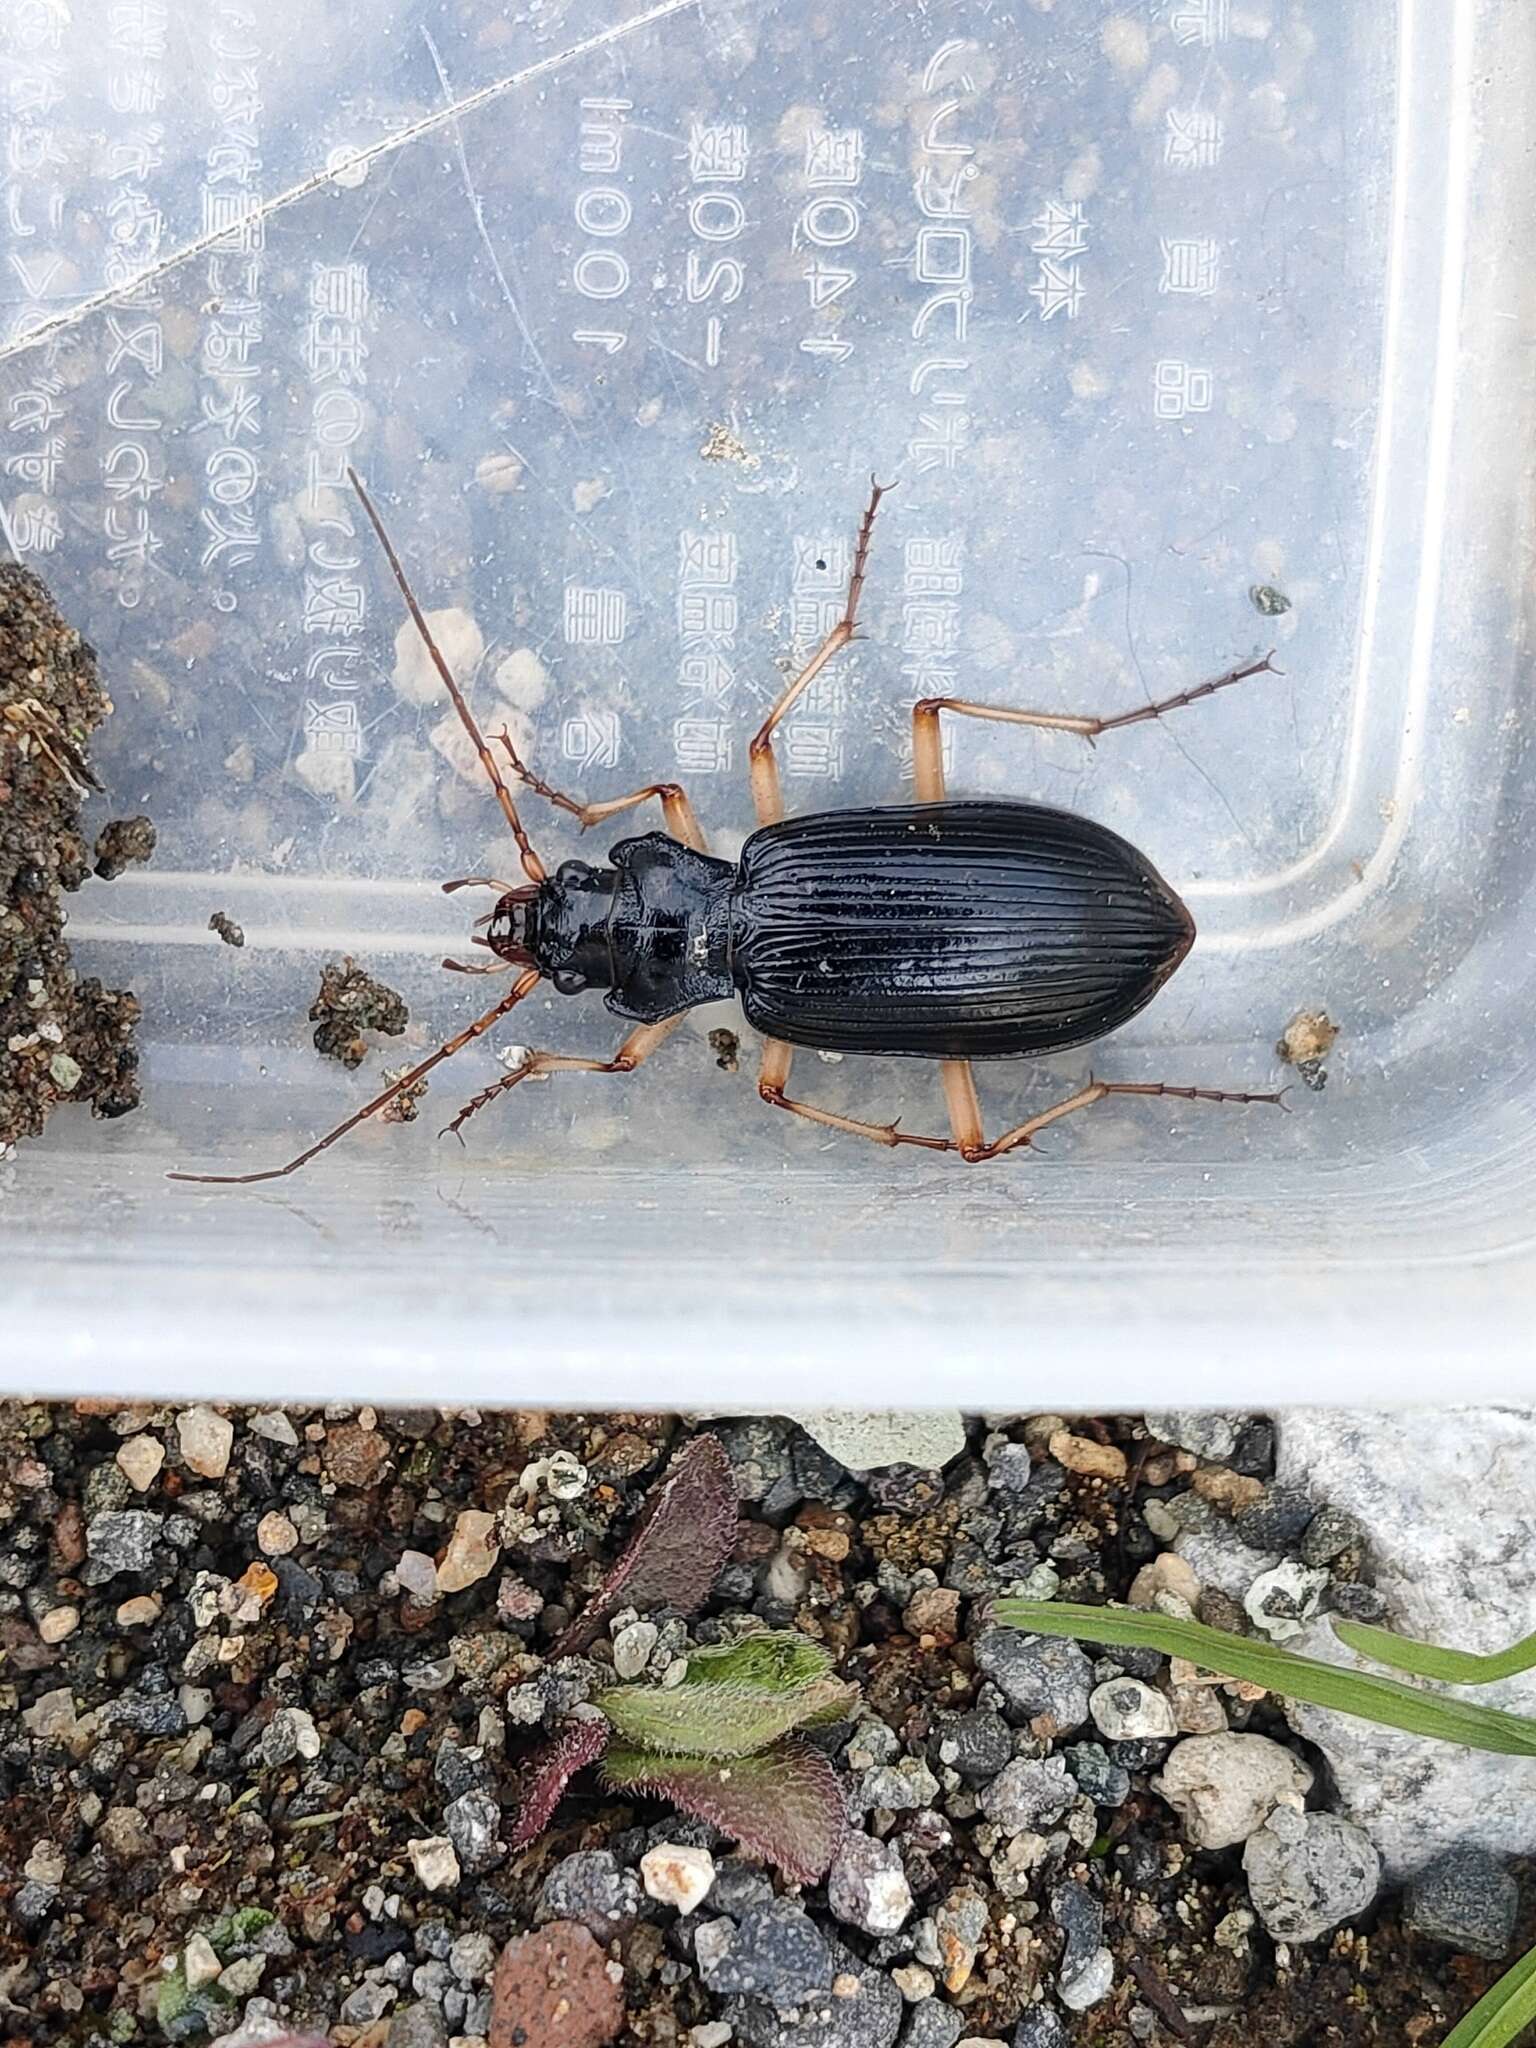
[(780, 1660), (1433, 1660), (706, 1719), (1384, 1700), (1501, 2015), (785, 1805)]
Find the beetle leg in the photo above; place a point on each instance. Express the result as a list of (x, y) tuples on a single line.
[(1097, 1091), (525, 985), (775, 1072), (682, 821), (927, 752), (634, 1052), (767, 794)]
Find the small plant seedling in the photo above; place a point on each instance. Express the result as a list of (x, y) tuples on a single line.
[(722, 1744)]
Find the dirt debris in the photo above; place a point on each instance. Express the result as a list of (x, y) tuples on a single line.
[(63, 1037)]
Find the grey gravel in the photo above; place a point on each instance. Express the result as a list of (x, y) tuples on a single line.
[(1009, 1468), (932, 2024), (1086, 1973), (1328, 1535), (867, 1887), (864, 2012), (1029, 1795), (473, 1823), (417, 2026), (121, 1540), (1038, 1675), (1276, 1520), (1104, 1781), (1207, 1434), (773, 1952), (1128, 1710), (1309, 1872), (1041, 2027), (589, 1887), (898, 1787), (977, 1745), (1466, 1898)]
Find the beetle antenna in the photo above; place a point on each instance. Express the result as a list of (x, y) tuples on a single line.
[(533, 867), (524, 985)]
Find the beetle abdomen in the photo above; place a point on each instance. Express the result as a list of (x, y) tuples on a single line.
[(949, 930)]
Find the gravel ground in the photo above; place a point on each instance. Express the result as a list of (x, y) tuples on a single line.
[(268, 1678)]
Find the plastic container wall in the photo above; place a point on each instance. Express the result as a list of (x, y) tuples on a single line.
[(1149, 310)]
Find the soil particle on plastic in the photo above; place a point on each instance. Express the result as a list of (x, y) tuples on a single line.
[(1272, 603), (1306, 1043), (222, 923), (124, 843), (726, 1047), (63, 1038), (351, 1002)]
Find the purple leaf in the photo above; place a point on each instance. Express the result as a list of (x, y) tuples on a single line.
[(675, 1550), (785, 1805), (549, 1770)]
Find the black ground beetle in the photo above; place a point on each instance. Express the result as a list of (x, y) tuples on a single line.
[(940, 929)]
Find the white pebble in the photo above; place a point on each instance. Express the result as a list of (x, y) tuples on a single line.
[(677, 1875), (139, 1460), (206, 1440), (1126, 1710), (417, 1573), (434, 1862), (200, 1963)]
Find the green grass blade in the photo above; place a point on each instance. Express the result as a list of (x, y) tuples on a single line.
[(1501, 2015), (1384, 1700), (1433, 1660)]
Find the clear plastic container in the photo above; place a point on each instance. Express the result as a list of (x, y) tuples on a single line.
[(1148, 310)]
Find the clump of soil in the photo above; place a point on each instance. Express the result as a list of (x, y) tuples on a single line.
[(63, 1038), (1306, 1043), (222, 923), (124, 843), (351, 1002), (726, 1047)]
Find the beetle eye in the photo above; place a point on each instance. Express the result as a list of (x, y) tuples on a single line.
[(568, 981), (574, 874)]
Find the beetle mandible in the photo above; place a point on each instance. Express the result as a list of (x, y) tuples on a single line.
[(942, 929)]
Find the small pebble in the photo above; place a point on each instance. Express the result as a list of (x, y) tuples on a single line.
[(139, 1458), (276, 1535), (632, 1648), (434, 1862), (1126, 1710), (1083, 1455), (200, 1963), (676, 1874), (914, 1982), (206, 1439), (1308, 1872), (417, 1573), (141, 1612), (1282, 1600), (1467, 1899), (867, 1887), (472, 1551), (274, 1425), (1225, 1787), (58, 1623)]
